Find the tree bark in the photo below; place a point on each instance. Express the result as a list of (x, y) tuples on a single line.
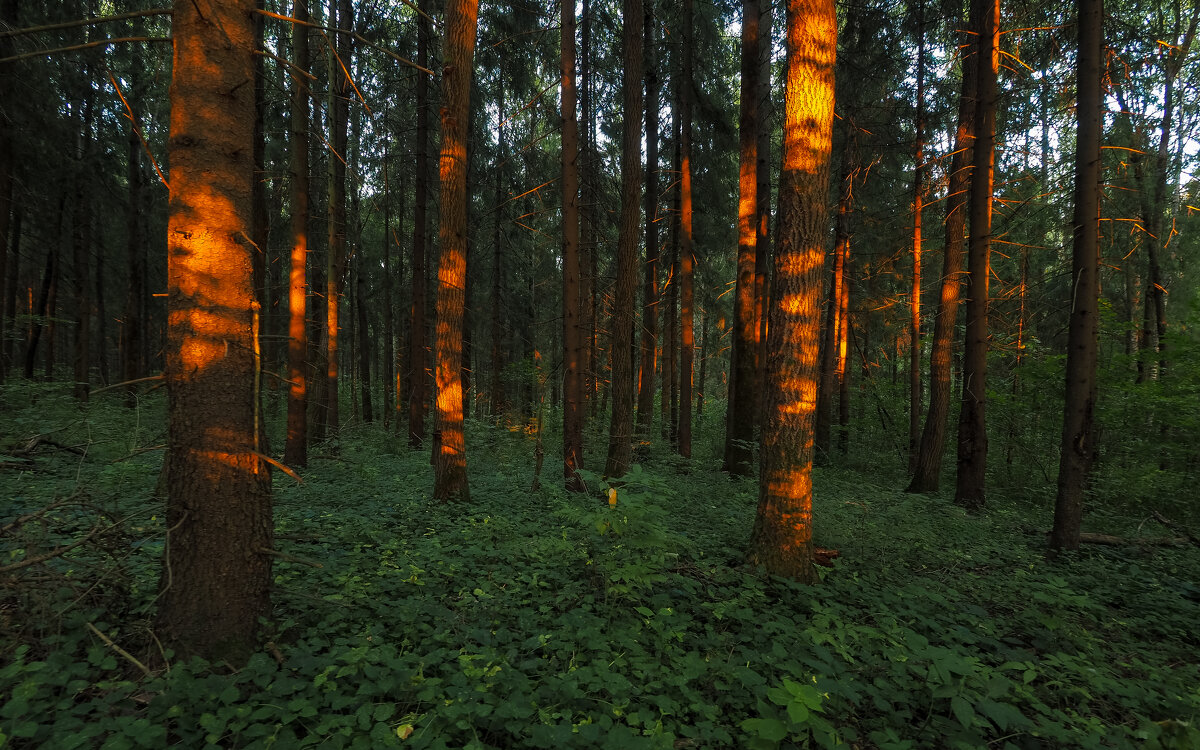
[(686, 258), (781, 540), (450, 458), (572, 335), (217, 570), (742, 407), (928, 469), (620, 436), (914, 333), (8, 74), (649, 328), (81, 250), (972, 423), (295, 452), (416, 358), (335, 261), (1078, 435)]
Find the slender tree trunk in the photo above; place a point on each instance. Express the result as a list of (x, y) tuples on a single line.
[(833, 321), (499, 400), (914, 334), (416, 379), (686, 258), (589, 284), (670, 295), (8, 74), (295, 452), (649, 329), (620, 435), (928, 468), (41, 310), (217, 571), (389, 324), (781, 540), (81, 249), (742, 407), (1078, 435), (335, 261), (365, 344), (762, 251), (8, 347), (572, 336), (972, 423), (843, 359), (131, 334), (450, 458)]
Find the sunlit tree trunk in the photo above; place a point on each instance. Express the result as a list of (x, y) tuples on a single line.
[(762, 252), (742, 407), (687, 260), (781, 540), (1078, 435), (844, 333), (669, 295), (216, 576), (450, 458), (572, 335), (649, 328), (416, 354), (914, 331), (972, 422), (295, 452), (928, 467), (620, 435)]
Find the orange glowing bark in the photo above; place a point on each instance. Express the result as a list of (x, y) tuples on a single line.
[(743, 369), (450, 458), (686, 257), (620, 437), (781, 540), (295, 451), (914, 332), (217, 573)]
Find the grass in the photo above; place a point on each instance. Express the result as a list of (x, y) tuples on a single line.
[(545, 620)]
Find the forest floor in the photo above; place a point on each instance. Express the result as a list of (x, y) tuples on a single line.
[(545, 620)]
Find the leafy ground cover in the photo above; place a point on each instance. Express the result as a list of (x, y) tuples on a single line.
[(544, 620)]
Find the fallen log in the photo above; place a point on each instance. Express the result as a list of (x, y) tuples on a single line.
[(1088, 537)]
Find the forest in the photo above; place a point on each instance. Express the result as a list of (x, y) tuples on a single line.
[(622, 374)]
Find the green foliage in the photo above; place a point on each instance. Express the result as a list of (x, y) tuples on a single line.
[(552, 620)]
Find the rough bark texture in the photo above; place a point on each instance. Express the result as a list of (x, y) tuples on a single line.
[(572, 334), (649, 329), (781, 540), (742, 407), (972, 421), (216, 577), (914, 329), (620, 435), (687, 261), (1078, 435), (295, 452), (450, 457), (928, 468), (416, 354)]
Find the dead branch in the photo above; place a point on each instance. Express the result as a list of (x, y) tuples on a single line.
[(85, 22), (1175, 527), (57, 552), (129, 657), (88, 45), (128, 382)]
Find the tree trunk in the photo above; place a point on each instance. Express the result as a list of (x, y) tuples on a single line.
[(620, 445), (41, 311), (833, 308), (416, 357), (8, 73), (649, 329), (295, 452), (450, 458), (742, 407), (843, 360), (972, 422), (81, 249), (388, 371), (132, 330), (686, 258), (217, 573), (928, 468), (572, 335), (914, 332), (589, 285), (1078, 435), (335, 261), (498, 397), (781, 540)]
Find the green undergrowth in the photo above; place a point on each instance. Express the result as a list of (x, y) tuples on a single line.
[(540, 619)]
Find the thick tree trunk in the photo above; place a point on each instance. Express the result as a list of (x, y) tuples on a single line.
[(217, 573), (781, 540), (416, 356), (742, 407), (972, 422), (649, 328), (1078, 435), (572, 335), (928, 468), (620, 436), (450, 458), (687, 260)]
